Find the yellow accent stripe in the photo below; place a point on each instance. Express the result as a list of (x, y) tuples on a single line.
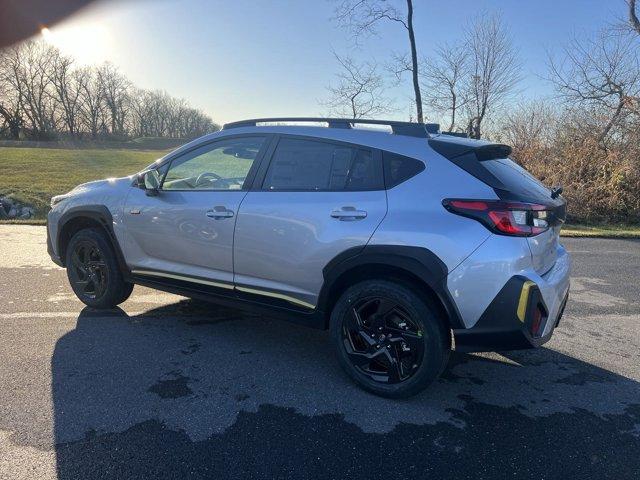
[(276, 295), (524, 299), (183, 278)]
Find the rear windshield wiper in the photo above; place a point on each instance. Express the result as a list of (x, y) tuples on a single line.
[(556, 191)]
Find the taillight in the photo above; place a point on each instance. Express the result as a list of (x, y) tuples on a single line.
[(505, 218)]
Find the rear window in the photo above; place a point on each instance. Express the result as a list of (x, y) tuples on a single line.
[(516, 179)]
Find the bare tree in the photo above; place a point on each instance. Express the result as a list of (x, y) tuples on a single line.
[(92, 104), (67, 90), (602, 75), (11, 119), (361, 18), (359, 91), (528, 125), (444, 80), (42, 93), (494, 70), (26, 70), (10, 101), (115, 91), (634, 22)]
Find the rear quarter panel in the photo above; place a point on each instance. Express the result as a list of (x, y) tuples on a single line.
[(416, 216)]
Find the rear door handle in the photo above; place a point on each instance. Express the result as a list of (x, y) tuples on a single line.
[(348, 213), (219, 212)]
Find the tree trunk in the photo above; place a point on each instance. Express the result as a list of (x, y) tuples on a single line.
[(13, 121), (633, 17), (454, 99), (473, 128), (414, 61), (612, 121)]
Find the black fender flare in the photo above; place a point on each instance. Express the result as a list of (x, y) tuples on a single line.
[(100, 214), (418, 261)]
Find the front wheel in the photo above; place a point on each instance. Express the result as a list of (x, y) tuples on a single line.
[(93, 270), (388, 338)]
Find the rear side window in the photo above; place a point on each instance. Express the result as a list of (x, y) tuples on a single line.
[(398, 168), (517, 180), (310, 165)]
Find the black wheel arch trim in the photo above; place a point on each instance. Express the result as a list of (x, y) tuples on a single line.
[(102, 215), (418, 261)]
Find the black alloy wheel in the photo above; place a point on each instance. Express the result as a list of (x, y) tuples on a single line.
[(88, 270), (93, 270), (382, 341), (389, 337)]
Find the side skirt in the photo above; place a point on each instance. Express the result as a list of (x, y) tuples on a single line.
[(234, 299)]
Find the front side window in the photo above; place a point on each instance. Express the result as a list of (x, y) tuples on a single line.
[(223, 165), (309, 165)]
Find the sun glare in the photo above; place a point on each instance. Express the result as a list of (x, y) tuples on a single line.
[(87, 42)]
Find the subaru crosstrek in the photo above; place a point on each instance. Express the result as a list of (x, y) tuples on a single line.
[(404, 242)]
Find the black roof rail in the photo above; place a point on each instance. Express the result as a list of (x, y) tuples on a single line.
[(411, 129)]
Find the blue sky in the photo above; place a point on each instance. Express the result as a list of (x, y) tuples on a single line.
[(241, 58)]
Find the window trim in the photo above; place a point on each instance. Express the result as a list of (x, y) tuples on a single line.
[(251, 175), (261, 176)]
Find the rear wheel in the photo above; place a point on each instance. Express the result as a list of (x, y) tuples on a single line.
[(388, 338), (93, 270)]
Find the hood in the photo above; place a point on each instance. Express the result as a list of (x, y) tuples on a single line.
[(102, 183), (96, 186)]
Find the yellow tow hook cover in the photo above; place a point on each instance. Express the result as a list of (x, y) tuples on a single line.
[(524, 300)]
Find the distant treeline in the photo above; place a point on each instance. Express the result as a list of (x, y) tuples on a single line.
[(44, 95)]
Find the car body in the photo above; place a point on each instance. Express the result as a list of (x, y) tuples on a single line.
[(288, 235)]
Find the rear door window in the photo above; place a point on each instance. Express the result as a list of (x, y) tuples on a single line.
[(310, 165)]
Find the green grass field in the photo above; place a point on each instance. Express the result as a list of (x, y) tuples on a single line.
[(601, 231), (34, 175)]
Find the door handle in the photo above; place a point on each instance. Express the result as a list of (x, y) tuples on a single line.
[(348, 213), (219, 212)]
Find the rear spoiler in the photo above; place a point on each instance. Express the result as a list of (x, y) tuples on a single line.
[(467, 154), (483, 151), (456, 134), (491, 152)]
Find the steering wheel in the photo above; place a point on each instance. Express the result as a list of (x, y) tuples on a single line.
[(205, 175)]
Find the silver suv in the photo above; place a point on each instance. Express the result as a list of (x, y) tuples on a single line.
[(402, 241)]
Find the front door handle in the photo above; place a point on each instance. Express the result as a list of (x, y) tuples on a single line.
[(348, 213), (219, 212)]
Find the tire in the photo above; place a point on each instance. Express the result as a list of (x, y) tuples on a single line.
[(416, 336), (93, 271)]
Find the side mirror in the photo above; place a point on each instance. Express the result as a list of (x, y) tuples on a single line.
[(150, 182)]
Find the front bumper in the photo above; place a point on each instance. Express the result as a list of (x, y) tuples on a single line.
[(50, 250), (523, 314)]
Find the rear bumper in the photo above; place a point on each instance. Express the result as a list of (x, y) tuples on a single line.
[(523, 314)]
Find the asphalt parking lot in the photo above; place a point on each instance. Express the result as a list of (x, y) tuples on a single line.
[(172, 388)]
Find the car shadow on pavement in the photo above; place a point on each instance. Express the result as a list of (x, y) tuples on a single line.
[(191, 390)]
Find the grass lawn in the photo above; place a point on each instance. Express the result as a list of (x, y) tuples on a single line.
[(602, 231), (34, 175)]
